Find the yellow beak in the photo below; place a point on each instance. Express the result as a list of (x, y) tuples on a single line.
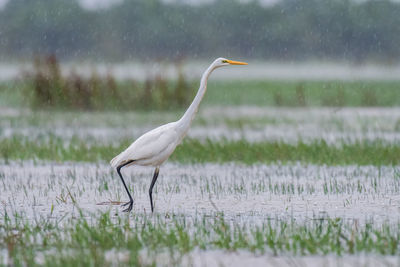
[(236, 62)]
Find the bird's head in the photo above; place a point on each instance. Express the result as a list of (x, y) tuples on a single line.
[(220, 62)]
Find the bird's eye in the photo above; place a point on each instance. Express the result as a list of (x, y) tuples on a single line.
[(224, 61)]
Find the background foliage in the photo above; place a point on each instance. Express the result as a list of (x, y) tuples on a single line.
[(289, 30)]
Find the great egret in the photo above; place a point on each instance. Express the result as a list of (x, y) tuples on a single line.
[(154, 147)]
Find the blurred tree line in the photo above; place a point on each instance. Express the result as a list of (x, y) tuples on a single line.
[(151, 29)]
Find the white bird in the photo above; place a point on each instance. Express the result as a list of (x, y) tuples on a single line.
[(154, 147)]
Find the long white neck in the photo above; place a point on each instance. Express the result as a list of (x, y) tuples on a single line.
[(187, 118)]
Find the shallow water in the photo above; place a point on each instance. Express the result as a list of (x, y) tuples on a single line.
[(248, 194), (254, 124), (244, 258)]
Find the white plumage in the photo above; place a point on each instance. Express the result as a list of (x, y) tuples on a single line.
[(154, 147)]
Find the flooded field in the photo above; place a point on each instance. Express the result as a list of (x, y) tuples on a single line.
[(307, 209), (284, 153), (207, 197)]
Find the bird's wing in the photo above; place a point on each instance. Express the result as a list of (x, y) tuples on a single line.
[(148, 145)]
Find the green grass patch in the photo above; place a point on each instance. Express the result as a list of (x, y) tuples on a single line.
[(304, 93), (85, 241), (12, 94), (159, 95), (193, 151), (316, 152)]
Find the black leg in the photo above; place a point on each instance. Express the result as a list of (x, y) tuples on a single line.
[(130, 203), (152, 185)]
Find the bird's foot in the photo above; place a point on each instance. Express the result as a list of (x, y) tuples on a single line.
[(129, 204)]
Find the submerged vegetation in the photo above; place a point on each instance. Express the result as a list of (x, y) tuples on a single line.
[(54, 214), (142, 239)]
